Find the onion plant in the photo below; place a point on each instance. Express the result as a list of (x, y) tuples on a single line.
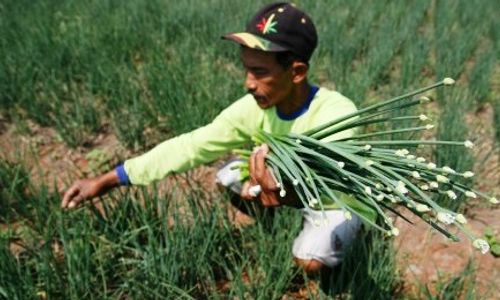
[(369, 168)]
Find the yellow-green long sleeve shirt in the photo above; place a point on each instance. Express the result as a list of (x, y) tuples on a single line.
[(231, 129)]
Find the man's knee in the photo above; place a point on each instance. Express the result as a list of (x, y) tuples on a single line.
[(310, 266)]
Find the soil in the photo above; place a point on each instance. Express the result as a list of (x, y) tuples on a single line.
[(425, 257)]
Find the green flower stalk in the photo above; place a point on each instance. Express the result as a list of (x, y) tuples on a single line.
[(377, 176)]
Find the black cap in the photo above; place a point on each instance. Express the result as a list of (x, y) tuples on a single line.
[(279, 27)]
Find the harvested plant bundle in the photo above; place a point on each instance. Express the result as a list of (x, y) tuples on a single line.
[(376, 174)]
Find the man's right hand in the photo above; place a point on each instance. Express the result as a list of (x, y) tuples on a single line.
[(86, 189)]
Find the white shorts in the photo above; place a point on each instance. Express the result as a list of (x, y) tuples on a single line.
[(323, 236)]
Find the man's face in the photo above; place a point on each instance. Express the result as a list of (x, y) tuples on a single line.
[(265, 79)]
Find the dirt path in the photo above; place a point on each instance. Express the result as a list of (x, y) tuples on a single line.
[(427, 257)]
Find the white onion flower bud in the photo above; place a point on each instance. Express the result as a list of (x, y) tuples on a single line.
[(451, 194), (295, 182), (422, 208), (493, 200), (424, 187), (347, 215), (448, 81), (433, 185), (448, 170), (461, 219), (391, 197), (482, 245), (341, 164), (445, 218), (282, 193), (369, 163), (425, 99), (379, 197), (468, 144), (410, 156), (470, 194), (400, 153), (431, 166), (423, 117), (368, 190), (395, 231), (441, 178), (378, 186), (400, 187), (468, 174), (298, 141), (420, 159), (429, 126), (415, 174), (367, 147), (394, 199)]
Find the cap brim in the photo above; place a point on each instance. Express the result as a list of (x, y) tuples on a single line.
[(254, 41)]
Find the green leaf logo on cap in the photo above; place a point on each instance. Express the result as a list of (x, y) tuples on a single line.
[(267, 25)]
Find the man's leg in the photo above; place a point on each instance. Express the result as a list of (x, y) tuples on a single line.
[(319, 243), (323, 238)]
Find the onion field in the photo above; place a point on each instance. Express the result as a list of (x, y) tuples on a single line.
[(85, 85)]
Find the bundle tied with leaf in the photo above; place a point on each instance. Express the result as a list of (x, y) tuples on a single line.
[(380, 175)]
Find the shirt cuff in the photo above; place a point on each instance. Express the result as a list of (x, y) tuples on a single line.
[(122, 175)]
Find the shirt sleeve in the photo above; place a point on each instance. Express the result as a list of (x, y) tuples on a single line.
[(232, 128)]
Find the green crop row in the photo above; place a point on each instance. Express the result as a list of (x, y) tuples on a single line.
[(129, 250), (162, 66)]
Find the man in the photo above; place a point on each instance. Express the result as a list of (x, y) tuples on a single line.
[(275, 51)]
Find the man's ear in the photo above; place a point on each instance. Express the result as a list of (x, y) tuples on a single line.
[(299, 71)]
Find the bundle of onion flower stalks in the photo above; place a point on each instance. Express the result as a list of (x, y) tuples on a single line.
[(380, 174)]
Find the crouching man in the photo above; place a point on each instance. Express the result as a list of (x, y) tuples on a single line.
[(275, 51)]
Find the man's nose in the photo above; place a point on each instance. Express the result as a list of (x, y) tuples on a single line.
[(250, 83)]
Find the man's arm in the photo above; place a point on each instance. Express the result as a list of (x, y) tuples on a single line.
[(86, 189), (232, 128)]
